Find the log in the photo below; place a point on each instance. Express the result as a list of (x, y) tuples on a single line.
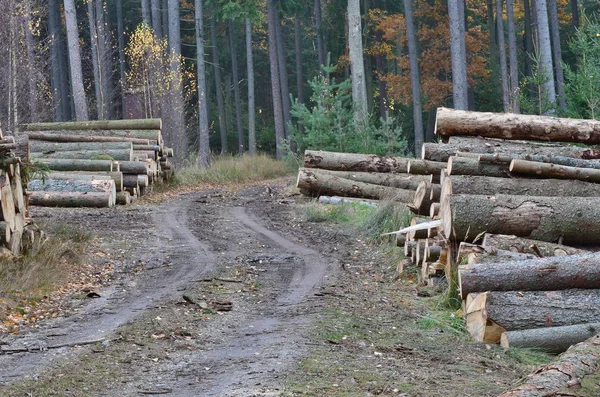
[(497, 256), (527, 246), (133, 167), (499, 158), (469, 166), (348, 200), (422, 199), (73, 199), (400, 181), (16, 238), (519, 310), (552, 340), (66, 137), (434, 210), (451, 122), (79, 165), (432, 253), (540, 274), (318, 183), (400, 240), (119, 155), (409, 246), (426, 167), (72, 186), (442, 151), (417, 234), (156, 148), (154, 136), (16, 185), (5, 233), (44, 146), (87, 176), (123, 198), (22, 149), (575, 220), (354, 162), (554, 171), (7, 204), (567, 372), (129, 124), (130, 180), (483, 185), (435, 193), (33, 239)]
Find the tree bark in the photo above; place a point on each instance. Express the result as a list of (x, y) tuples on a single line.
[(79, 165), (146, 12), (354, 162), (515, 126), (502, 55), (426, 167), (546, 68), (574, 219), (121, 46), (133, 167), (123, 198), (441, 152), (283, 75), (66, 137), (203, 130), (118, 155), (540, 274), (397, 180), (550, 159), (32, 80), (359, 92), (321, 183), (567, 372), (555, 171), (470, 166), (104, 61), (557, 53), (77, 89), (71, 186), (459, 58), (95, 61), (236, 89), (61, 199), (553, 340), (60, 98), (134, 136), (7, 203), (422, 200), (275, 80), (415, 79), (134, 124), (42, 146), (251, 102), (527, 246), (513, 60), (298, 47), (156, 18), (321, 53)]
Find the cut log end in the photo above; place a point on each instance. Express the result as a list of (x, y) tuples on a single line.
[(445, 214)]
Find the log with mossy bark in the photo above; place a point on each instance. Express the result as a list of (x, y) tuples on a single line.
[(397, 180), (116, 154), (528, 246), (354, 162), (565, 375), (123, 198), (80, 165), (540, 274), (470, 166), (552, 340), (129, 124), (44, 146), (456, 144), (450, 122), (573, 220), (503, 311), (318, 183), (70, 138), (72, 199), (554, 171)]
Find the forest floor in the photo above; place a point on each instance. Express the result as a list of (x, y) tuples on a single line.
[(228, 292)]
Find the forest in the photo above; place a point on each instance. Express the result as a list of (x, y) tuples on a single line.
[(279, 76)]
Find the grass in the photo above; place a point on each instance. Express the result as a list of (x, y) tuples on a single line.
[(232, 169)]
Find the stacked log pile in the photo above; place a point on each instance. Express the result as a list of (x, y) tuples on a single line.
[(17, 231), (96, 163), (511, 225)]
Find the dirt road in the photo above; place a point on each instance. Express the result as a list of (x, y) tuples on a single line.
[(223, 293)]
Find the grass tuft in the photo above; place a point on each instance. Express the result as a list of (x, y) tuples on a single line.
[(388, 217), (352, 214), (231, 169)]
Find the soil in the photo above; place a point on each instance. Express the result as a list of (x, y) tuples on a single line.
[(226, 292)]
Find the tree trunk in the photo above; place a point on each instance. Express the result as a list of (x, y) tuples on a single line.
[(397, 180), (283, 79), (61, 199), (442, 152), (79, 165), (32, 80), (321, 53), (553, 340), (175, 119), (321, 183), (515, 126), (512, 55), (557, 52), (77, 89), (519, 310), (121, 45), (7, 203), (359, 93), (459, 59), (298, 48), (523, 245), (251, 103), (567, 372), (555, 171), (236, 89), (415, 79), (470, 166), (60, 97), (354, 162), (540, 274), (275, 81), (104, 61), (575, 13), (95, 62), (146, 12), (217, 77), (203, 130), (502, 56), (156, 18), (42, 146), (546, 68), (574, 219)]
